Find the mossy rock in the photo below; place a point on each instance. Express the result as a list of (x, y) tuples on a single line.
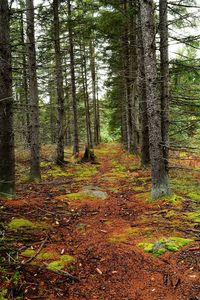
[(22, 223), (163, 245)]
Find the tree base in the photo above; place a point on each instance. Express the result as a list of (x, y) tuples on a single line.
[(160, 191), (88, 156)]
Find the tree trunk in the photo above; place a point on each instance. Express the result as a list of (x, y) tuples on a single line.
[(86, 97), (164, 73), (7, 158), (160, 185), (133, 69), (94, 94), (59, 86), (33, 91), (73, 82), (25, 83), (145, 158)]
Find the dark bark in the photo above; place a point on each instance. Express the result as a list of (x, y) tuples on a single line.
[(33, 92), (164, 73), (145, 158), (86, 97), (25, 83), (160, 184), (7, 158), (73, 83), (94, 94), (59, 86)]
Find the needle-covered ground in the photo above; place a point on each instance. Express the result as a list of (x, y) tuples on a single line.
[(91, 231)]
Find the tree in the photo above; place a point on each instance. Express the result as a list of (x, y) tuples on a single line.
[(7, 158), (73, 82), (160, 183), (164, 74), (59, 85), (33, 93)]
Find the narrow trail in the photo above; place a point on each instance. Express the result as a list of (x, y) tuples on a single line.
[(96, 221)]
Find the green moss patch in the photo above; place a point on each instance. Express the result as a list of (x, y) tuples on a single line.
[(20, 223), (194, 216), (85, 172), (163, 245), (28, 253), (194, 196), (60, 264)]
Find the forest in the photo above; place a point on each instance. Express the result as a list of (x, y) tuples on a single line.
[(100, 149)]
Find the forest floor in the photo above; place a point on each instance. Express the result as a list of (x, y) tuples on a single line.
[(91, 231)]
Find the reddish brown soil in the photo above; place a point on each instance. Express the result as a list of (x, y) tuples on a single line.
[(102, 270)]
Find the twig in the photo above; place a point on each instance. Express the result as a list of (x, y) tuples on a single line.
[(37, 252)]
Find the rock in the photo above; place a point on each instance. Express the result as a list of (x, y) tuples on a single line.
[(95, 193)]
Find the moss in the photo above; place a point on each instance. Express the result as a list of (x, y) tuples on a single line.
[(56, 171), (194, 216), (173, 199), (124, 236), (85, 172), (194, 196), (163, 245), (19, 223), (28, 253), (3, 293), (46, 255), (60, 264), (170, 214), (56, 265), (44, 164), (67, 258)]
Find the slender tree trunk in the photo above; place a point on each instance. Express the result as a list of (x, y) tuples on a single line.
[(33, 91), (145, 158), (133, 68), (73, 82), (94, 94), (7, 158), (127, 83), (86, 97), (52, 104), (59, 86), (160, 185), (164, 73), (25, 83)]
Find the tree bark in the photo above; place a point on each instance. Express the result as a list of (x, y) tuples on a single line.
[(59, 86), (86, 97), (73, 83), (7, 158), (33, 92), (25, 83), (160, 184), (164, 73), (94, 94), (133, 69), (145, 158)]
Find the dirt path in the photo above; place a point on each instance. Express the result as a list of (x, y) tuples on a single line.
[(88, 228)]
